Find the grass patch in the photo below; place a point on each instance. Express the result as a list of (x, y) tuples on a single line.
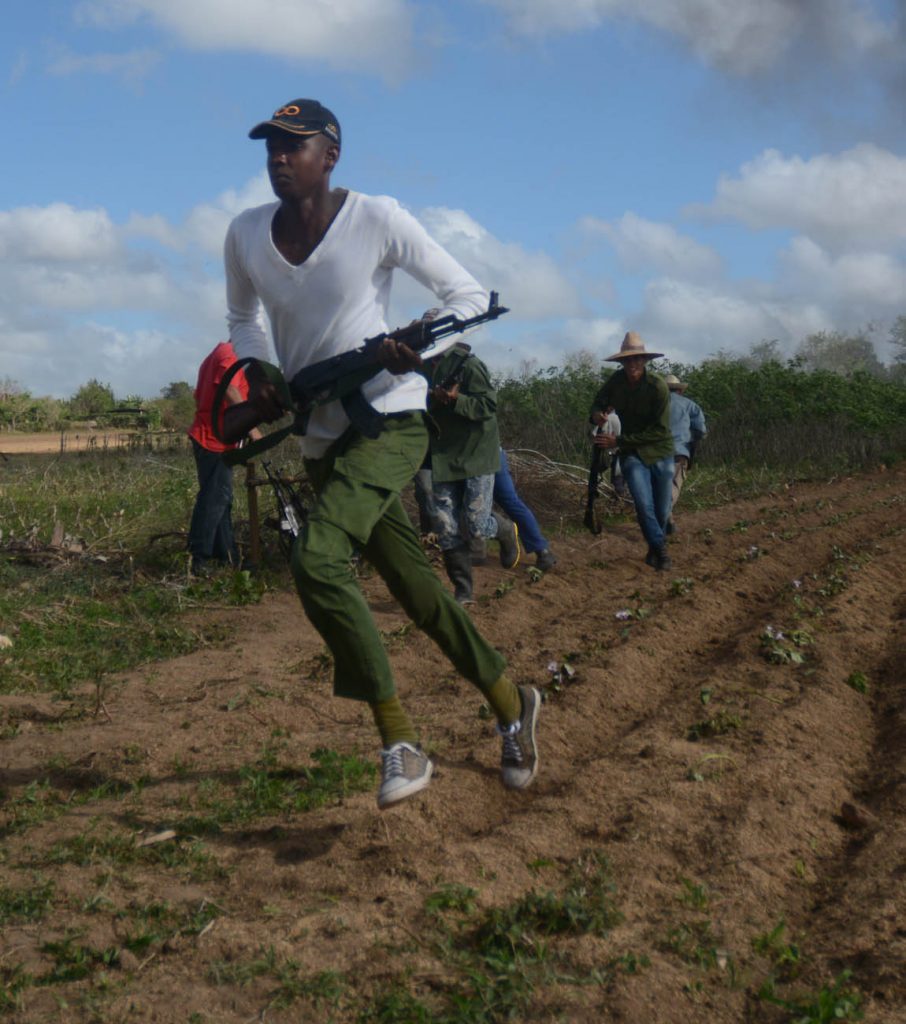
[(84, 621), (113, 596), (267, 790), (28, 904), (118, 850)]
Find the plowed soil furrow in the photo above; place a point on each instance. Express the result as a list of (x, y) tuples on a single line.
[(713, 768)]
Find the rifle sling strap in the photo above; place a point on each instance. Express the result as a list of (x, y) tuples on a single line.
[(237, 456)]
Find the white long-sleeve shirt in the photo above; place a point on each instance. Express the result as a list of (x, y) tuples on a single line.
[(338, 297)]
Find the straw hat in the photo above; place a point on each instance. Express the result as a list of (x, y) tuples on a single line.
[(674, 383), (632, 346)]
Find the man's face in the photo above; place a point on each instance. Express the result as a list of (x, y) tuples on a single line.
[(298, 163), (634, 368)]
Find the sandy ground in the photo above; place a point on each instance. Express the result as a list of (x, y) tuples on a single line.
[(70, 441), (728, 792)]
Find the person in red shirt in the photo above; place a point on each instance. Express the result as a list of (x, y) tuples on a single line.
[(211, 529)]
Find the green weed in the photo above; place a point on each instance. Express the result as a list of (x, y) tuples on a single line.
[(858, 681), (718, 725), (694, 943), (290, 984), (73, 961), (460, 898), (694, 894), (30, 904), (785, 957), (265, 790), (831, 1004), (117, 850)]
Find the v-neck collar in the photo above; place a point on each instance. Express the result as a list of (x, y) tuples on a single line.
[(312, 257)]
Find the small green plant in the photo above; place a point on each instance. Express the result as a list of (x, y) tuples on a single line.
[(785, 957), (694, 895), (460, 898), (504, 587), (694, 943), (858, 681), (781, 648), (29, 904), (718, 725), (681, 586), (831, 1004), (73, 961)]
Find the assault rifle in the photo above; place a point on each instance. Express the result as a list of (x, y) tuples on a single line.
[(291, 510), (338, 378), (594, 472)]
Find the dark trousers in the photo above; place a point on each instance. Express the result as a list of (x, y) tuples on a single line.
[(211, 529)]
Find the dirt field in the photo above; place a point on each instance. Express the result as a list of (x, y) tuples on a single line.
[(733, 779), (71, 441)]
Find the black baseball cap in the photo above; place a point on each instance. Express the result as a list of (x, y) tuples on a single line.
[(300, 117)]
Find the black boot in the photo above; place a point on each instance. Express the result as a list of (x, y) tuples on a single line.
[(508, 539), (458, 563), (662, 558), (478, 548)]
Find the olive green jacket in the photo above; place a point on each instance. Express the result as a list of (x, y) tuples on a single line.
[(466, 442), (644, 413)]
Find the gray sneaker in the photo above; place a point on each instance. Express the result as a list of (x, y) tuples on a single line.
[(405, 769), (519, 761), (508, 539)]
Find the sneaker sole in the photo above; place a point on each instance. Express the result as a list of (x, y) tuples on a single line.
[(410, 789)]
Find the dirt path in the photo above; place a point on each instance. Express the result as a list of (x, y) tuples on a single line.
[(732, 787)]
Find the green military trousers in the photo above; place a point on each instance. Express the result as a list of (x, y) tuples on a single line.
[(358, 483)]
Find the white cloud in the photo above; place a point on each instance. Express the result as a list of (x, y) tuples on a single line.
[(645, 245), (530, 283), (689, 322), (350, 34), (874, 282), (743, 37), (857, 197), (57, 233)]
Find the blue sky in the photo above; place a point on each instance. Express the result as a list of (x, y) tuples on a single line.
[(710, 173)]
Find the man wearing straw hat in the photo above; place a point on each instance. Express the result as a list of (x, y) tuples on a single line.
[(641, 399), (687, 424)]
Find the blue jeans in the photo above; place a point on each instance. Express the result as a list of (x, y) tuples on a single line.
[(651, 487), (507, 498), (211, 529)]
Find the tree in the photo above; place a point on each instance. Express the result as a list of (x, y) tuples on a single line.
[(840, 353), (91, 400), (764, 351), (898, 340), (177, 389)]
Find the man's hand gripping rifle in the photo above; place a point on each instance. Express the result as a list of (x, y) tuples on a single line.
[(339, 378)]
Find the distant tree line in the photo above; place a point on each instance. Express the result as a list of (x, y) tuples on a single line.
[(95, 403)]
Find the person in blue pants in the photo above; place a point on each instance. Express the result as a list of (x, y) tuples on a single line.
[(507, 497)]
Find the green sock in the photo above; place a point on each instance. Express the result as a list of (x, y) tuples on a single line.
[(504, 700), (393, 723)]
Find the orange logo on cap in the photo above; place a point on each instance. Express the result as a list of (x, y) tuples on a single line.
[(289, 111)]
